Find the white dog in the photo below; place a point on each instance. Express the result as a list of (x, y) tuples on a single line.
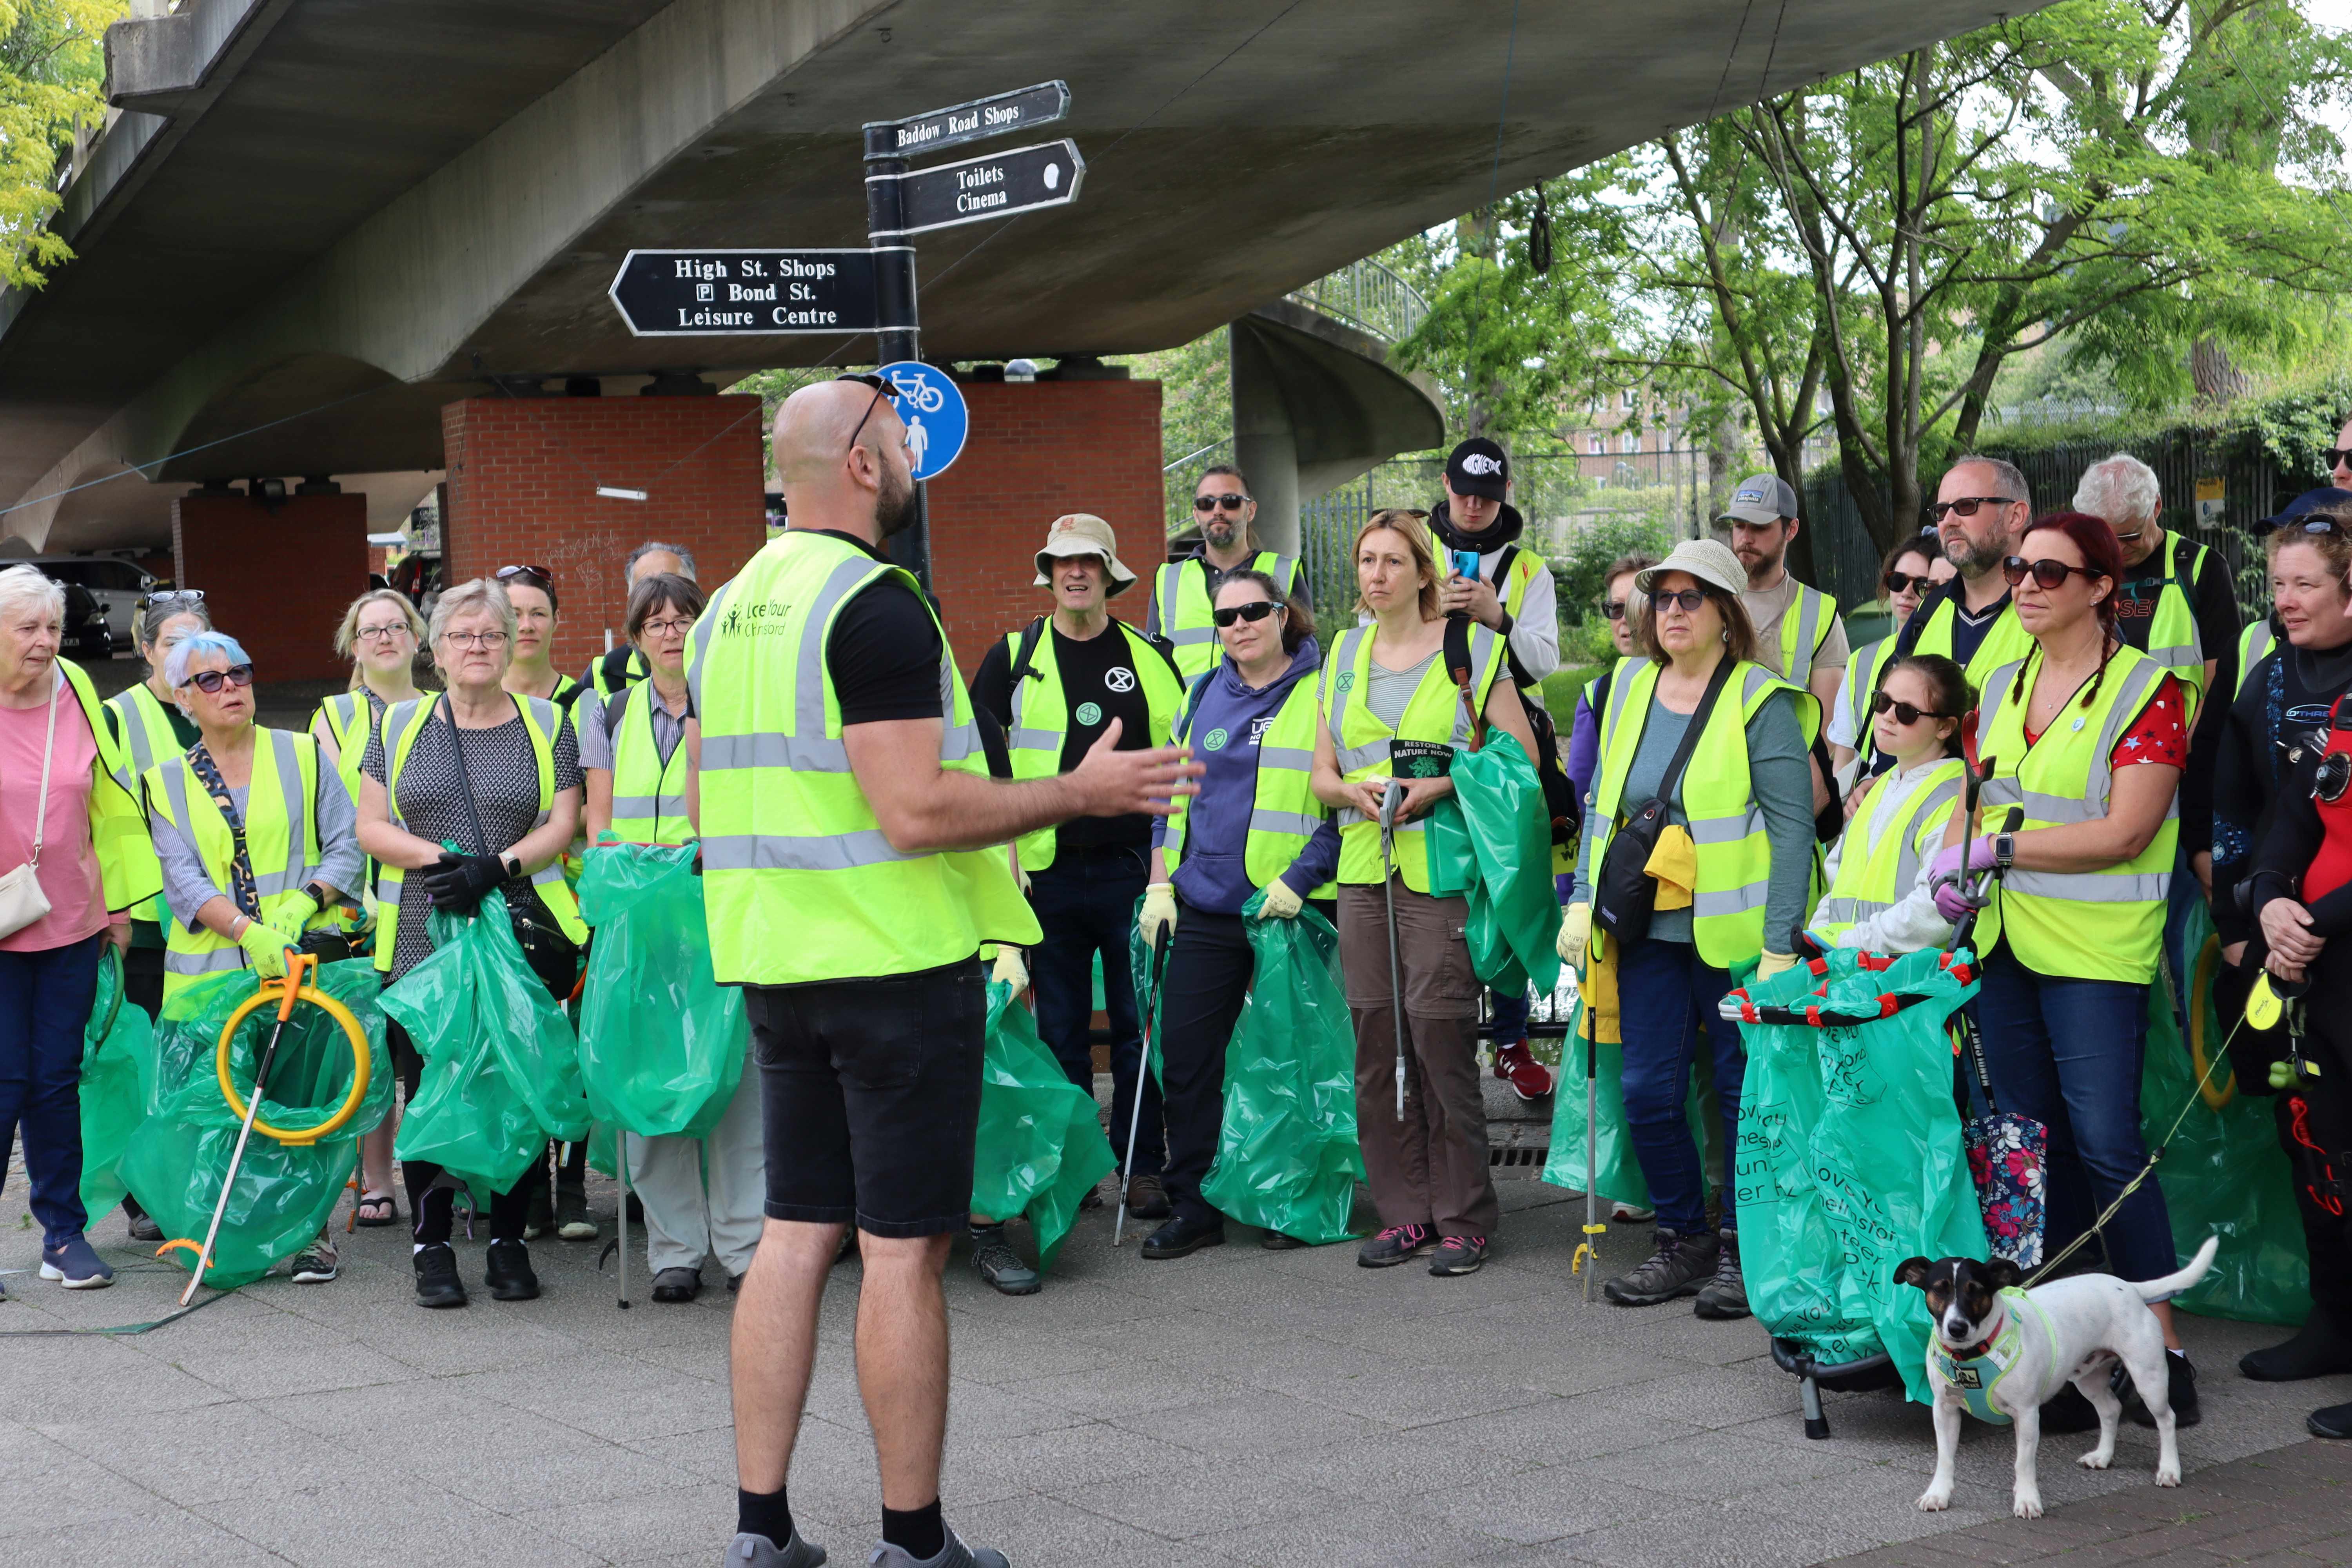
[(2002, 1351)]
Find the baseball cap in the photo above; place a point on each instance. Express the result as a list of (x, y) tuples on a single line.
[(1761, 498), (1478, 467), (2307, 503), (1083, 533)]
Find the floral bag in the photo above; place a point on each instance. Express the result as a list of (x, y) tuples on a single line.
[(2008, 1154)]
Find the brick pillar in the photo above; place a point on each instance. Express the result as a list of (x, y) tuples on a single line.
[(275, 578), (1038, 450), (523, 473)]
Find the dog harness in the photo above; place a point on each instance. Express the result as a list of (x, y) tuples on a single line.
[(1975, 1377)]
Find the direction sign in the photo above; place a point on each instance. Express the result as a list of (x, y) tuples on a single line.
[(758, 293), (952, 127), (999, 186), (936, 416)]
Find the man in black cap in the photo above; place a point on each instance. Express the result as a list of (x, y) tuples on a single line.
[(1511, 592)]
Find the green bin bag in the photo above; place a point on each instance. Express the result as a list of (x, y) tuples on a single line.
[(2223, 1172), (1491, 842), (283, 1195), (1849, 1158), (1286, 1154), (661, 1041), (1617, 1169), (1041, 1148), (502, 1064), (118, 1080)]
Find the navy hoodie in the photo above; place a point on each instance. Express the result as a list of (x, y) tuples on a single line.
[(1213, 875)]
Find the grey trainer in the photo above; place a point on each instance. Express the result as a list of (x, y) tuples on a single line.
[(749, 1551), (1675, 1268), (954, 1554), (1726, 1295), (993, 1257)]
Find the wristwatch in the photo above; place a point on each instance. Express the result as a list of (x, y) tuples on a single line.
[(318, 894), (511, 865), (2004, 850)]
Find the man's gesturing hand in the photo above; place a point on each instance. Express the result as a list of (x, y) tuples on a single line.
[(1112, 783)]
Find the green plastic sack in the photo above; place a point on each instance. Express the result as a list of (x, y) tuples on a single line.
[(1850, 1159), (661, 1041), (117, 1079), (501, 1065), (1041, 1148), (1287, 1159), (283, 1195), (1491, 842), (2223, 1172), (1617, 1169)]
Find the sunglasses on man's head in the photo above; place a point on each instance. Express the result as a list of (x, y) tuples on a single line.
[(1256, 610), (1965, 506), (881, 389), (1904, 712), (2049, 573), (209, 681), (1229, 500)]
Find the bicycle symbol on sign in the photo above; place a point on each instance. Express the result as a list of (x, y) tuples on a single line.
[(919, 393)]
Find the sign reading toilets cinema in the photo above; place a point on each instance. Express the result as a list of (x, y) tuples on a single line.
[(1001, 185), (755, 293)]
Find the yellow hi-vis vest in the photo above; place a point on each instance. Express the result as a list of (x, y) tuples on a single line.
[(1435, 714), (350, 717), (2076, 925), (648, 794), (281, 838), (1041, 714), (2254, 644), (1180, 611), (2173, 639), (1717, 799), (127, 868), (1863, 673), (1521, 567), (1284, 812), (1879, 858), (800, 884), (2005, 641), (604, 682), (403, 724), (147, 739), (1804, 626)]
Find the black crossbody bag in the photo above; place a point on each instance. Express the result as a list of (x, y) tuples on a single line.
[(1624, 894)]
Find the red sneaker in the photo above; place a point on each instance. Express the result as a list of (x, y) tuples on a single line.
[(1516, 1066)]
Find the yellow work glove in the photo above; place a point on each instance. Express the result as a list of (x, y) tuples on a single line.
[(1159, 912), (1280, 901), (267, 949), (1773, 964), (1575, 933), (1011, 970)]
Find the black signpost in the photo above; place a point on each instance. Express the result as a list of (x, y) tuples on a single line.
[(697, 293)]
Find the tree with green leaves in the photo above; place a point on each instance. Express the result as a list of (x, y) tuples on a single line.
[(52, 79)]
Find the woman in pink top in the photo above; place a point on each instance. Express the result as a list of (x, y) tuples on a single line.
[(94, 858)]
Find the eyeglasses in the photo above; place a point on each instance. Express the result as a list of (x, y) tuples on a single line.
[(1902, 582), (678, 626), (1256, 610), (380, 634), (507, 574), (1904, 712), (1230, 502), (1613, 608), (2049, 573), (211, 681), (1686, 600), (173, 596), (477, 640), (1967, 506)]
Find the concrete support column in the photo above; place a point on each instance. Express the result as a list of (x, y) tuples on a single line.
[(524, 476), (276, 575), (1265, 443)]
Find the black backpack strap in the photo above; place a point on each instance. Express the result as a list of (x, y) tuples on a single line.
[(1025, 657), (614, 707)]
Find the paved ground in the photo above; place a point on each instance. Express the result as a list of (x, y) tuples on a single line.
[(1237, 1406)]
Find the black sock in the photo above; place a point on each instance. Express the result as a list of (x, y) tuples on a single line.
[(763, 1513), (917, 1531), (982, 1232)]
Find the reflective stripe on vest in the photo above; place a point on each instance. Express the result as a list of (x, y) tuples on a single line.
[(147, 739), (1879, 859), (799, 883), (128, 869), (2004, 642), (282, 839), (2095, 925), (1180, 609), (1284, 812), (2174, 641), (1435, 713), (2254, 644), (1863, 672), (1805, 625), (1041, 715), (648, 794)]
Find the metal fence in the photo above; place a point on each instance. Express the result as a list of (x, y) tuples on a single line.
[(1366, 296)]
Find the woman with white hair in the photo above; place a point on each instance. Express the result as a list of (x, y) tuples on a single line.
[(74, 858), (499, 774), (257, 836)]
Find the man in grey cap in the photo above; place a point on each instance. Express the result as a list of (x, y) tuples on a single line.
[(1798, 636)]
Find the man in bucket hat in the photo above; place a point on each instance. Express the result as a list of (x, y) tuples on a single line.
[(1059, 685)]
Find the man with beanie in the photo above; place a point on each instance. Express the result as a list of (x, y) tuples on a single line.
[(1510, 593)]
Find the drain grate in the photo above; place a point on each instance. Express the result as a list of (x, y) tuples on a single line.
[(1517, 1155)]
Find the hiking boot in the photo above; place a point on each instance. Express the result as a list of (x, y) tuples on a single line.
[(1274, 1241), (2180, 1387), (437, 1284), (1183, 1235), (749, 1551), (1516, 1066), (76, 1265), (954, 1554), (676, 1285), (506, 1269), (572, 1221), (142, 1223), (2319, 1349), (540, 1218), (1726, 1295), (1147, 1198), (317, 1263), (993, 1259), (1394, 1245), (1458, 1255), (1677, 1268)]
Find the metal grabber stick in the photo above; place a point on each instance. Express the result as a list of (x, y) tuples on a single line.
[(1142, 1081), (297, 965), (1390, 798), (1593, 1226)]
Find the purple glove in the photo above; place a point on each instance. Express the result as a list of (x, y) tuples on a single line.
[(1947, 864), (1951, 904)]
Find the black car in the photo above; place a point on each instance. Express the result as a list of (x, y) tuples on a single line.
[(87, 634)]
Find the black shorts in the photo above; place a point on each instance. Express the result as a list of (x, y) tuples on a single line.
[(869, 1090)]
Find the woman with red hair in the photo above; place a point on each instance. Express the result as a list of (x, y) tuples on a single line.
[(2087, 736)]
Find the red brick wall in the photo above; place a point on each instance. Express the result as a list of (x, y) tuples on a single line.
[(1039, 449), (279, 578), (522, 483)]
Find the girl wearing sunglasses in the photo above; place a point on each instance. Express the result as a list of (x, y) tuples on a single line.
[(1879, 872)]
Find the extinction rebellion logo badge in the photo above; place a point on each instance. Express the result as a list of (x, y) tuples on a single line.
[(1088, 713), (1216, 741)]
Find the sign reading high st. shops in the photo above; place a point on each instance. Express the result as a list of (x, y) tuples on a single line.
[(996, 116), (697, 293)]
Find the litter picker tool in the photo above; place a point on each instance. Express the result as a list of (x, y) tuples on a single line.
[(1390, 798), (1142, 1082)]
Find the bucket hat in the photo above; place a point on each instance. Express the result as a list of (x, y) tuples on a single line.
[(1083, 533)]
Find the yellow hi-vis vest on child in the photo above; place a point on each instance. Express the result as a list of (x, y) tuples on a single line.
[(1284, 812), (1435, 714), (799, 882), (1041, 713), (648, 794), (1880, 855)]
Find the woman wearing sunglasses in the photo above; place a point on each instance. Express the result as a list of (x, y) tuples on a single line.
[(2087, 736), (1736, 834), (1255, 827), (1880, 872), (1908, 574)]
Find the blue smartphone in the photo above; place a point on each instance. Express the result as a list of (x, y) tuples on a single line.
[(1465, 563)]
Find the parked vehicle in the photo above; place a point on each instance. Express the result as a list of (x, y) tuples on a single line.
[(118, 585)]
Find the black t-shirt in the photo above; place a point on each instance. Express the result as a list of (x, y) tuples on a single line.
[(885, 650), (1101, 683)]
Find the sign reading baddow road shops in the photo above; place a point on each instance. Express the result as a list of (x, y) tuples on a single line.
[(682, 293), (982, 117), (1001, 185)]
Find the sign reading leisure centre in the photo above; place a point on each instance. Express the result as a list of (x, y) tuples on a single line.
[(680, 293)]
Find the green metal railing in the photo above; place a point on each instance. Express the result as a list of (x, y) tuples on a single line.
[(1366, 296)]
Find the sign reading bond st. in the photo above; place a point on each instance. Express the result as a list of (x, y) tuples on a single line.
[(680, 293)]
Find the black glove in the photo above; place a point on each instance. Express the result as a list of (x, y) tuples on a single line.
[(458, 883)]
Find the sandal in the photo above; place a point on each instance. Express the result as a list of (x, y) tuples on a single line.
[(390, 1214)]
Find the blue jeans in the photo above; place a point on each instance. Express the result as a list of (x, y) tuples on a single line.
[(2068, 1054), (1085, 905), (1665, 995), (44, 1002), (1510, 1015)]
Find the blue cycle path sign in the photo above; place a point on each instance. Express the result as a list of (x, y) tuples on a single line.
[(936, 416)]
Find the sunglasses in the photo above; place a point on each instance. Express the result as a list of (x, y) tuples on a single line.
[(2315, 525), (1230, 502), (2049, 573), (1686, 600), (1904, 712), (1613, 608), (1902, 582), (209, 681), (881, 390), (173, 596), (1256, 610), (1967, 506), (2337, 457), (546, 575)]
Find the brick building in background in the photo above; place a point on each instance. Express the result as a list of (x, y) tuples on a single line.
[(276, 575)]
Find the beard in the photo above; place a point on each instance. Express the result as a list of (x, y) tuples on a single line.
[(1220, 533), (894, 504)]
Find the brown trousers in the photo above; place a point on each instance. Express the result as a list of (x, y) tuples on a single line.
[(1431, 1168)]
